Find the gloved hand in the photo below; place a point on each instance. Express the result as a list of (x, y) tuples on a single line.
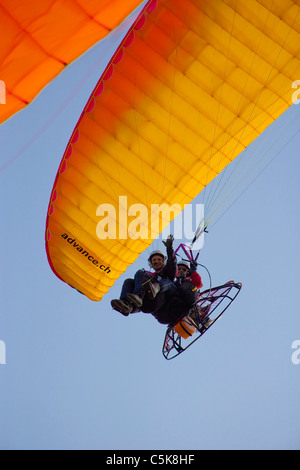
[(169, 242), (193, 266)]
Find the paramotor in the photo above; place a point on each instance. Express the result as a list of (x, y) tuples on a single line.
[(211, 305)]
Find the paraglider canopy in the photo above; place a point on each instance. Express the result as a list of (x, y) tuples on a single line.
[(38, 39), (190, 86)]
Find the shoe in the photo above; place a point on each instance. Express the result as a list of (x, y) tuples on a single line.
[(152, 288), (208, 322), (122, 307), (135, 299), (206, 325)]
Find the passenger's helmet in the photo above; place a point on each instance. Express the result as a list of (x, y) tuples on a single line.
[(184, 263), (157, 252)]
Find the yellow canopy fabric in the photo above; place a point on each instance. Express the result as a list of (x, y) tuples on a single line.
[(192, 84), (39, 38)]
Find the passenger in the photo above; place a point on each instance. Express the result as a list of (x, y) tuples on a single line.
[(141, 293), (187, 283)]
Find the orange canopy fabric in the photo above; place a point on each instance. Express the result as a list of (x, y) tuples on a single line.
[(39, 38), (193, 83)]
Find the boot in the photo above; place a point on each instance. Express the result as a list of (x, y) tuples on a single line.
[(122, 306), (136, 299)]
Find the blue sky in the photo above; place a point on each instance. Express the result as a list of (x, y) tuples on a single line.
[(80, 376)]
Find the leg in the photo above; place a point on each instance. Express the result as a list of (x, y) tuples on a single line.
[(136, 297), (138, 282), (122, 305), (127, 288), (188, 293)]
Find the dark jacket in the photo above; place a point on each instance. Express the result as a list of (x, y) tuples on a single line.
[(165, 277), (180, 301)]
